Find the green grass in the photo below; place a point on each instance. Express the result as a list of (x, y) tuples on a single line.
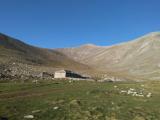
[(80, 100)]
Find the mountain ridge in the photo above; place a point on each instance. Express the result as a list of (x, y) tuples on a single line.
[(16, 51), (139, 57)]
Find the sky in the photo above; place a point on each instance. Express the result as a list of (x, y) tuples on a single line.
[(69, 23)]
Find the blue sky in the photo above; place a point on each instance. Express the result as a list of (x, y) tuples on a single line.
[(68, 23)]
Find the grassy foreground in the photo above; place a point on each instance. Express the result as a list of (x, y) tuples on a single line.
[(80, 100)]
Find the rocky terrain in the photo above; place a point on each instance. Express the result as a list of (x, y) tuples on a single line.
[(20, 60), (137, 59), (134, 60)]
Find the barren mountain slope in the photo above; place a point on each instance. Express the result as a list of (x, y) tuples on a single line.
[(12, 50), (139, 58)]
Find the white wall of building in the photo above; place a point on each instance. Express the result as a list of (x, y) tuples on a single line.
[(59, 75)]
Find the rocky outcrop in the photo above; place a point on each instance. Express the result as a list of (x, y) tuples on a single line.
[(19, 71)]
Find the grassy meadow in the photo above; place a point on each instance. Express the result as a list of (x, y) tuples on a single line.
[(80, 100)]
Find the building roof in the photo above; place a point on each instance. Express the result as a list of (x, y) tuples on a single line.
[(60, 71)]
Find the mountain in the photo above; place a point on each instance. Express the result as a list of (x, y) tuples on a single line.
[(139, 58), (15, 51)]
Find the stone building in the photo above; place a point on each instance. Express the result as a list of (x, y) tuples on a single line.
[(60, 74)]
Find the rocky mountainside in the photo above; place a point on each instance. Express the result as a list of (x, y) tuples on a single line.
[(138, 59), (18, 57)]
